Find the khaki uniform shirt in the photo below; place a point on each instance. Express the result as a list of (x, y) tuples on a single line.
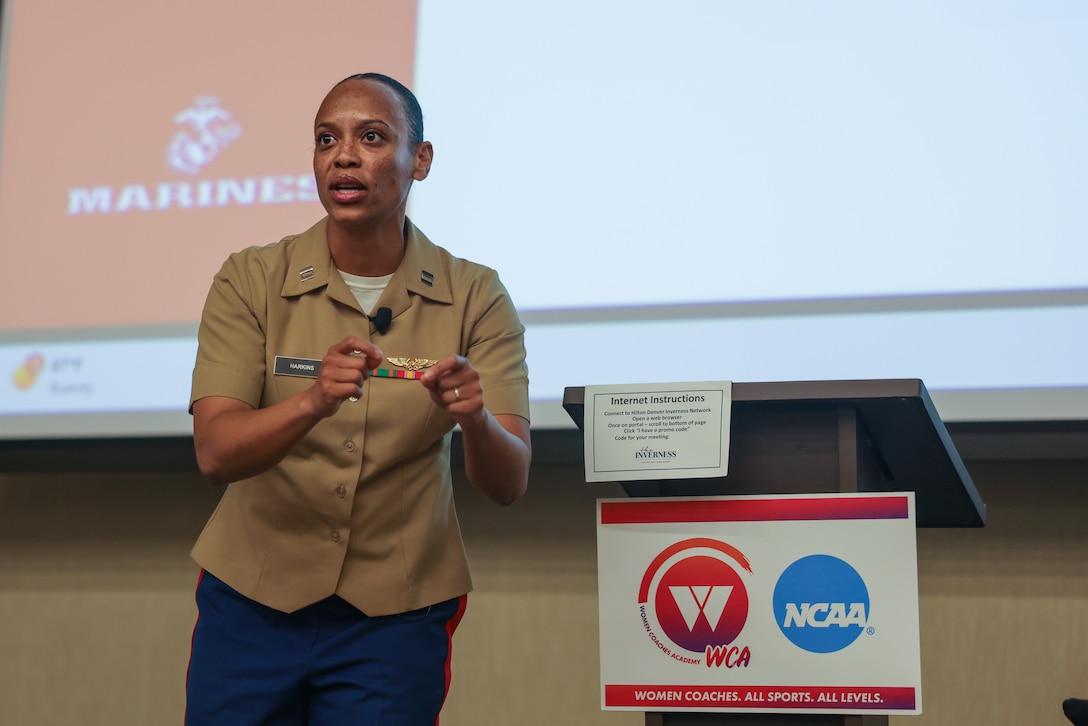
[(363, 506)]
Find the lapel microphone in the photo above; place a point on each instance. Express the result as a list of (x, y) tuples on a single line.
[(382, 319)]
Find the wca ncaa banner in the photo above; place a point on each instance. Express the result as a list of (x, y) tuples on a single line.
[(771, 604)]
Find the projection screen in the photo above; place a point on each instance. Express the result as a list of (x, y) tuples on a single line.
[(699, 191)]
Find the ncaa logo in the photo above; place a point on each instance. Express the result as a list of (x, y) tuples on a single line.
[(821, 604), (693, 592)]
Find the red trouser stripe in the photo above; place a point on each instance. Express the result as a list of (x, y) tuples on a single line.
[(462, 603)]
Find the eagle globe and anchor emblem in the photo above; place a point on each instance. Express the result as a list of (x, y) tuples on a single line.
[(209, 128)]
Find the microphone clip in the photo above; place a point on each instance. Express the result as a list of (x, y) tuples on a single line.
[(382, 319)]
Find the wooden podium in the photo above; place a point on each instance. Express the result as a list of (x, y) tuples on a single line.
[(825, 437)]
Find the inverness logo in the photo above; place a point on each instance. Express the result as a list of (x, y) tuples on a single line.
[(695, 596), (647, 453), (821, 604)]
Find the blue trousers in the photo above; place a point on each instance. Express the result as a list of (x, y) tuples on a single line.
[(327, 664)]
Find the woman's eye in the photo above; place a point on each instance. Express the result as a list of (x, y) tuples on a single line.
[(324, 139), (371, 136)]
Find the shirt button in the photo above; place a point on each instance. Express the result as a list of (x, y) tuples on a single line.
[(341, 491), (349, 445), (335, 536)]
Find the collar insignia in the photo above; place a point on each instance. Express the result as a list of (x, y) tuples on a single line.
[(306, 274), (427, 278)]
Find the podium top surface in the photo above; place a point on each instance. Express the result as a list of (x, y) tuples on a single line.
[(902, 424)]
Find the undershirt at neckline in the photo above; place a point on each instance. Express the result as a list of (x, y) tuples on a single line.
[(366, 290)]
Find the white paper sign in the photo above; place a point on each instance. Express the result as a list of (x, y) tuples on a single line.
[(760, 604), (657, 431)]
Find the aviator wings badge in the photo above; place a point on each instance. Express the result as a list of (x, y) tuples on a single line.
[(412, 364)]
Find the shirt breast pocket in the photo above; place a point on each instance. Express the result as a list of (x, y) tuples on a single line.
[(405, 405), (291, 375)]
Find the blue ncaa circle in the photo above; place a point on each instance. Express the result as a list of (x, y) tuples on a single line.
[(821, 604)]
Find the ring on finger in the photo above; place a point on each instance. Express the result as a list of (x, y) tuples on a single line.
[(457, 393)]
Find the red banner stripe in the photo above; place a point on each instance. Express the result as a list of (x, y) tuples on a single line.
[(755, 510), (742, 699)]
